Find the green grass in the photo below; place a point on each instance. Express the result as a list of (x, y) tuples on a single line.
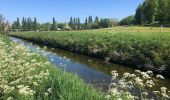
[(21, 67), (143, 47)]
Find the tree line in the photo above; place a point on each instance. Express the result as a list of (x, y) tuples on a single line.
[(29, 24), (150, 12), (91, 23)]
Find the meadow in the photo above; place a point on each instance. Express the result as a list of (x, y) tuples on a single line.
[(139, 47), (25, 75)]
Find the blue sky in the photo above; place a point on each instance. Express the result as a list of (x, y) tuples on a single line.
[(62, 10)]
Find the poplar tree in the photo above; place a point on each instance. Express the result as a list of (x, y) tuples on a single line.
[(74, 23), (96, 20), (17, 24), (35, 24), (53, 28), (78, 23), (86, 22), (71, 22)]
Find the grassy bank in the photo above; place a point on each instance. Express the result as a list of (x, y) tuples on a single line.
[(142, 47), (29, 76)]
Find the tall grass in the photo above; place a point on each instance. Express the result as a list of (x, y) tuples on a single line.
[(29, 76), (142, 47)]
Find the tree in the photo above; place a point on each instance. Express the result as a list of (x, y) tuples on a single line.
[(61, 26), (162, 11), (17, 24), (96, 20), (104, 23), (53, 28), (127, 21), (90, 20), (74, 23), (149, 10), (138, 15), (35, 24), (93, 26), (113, 22), (29, 24), (2, 22), (23, 24), (153, 10), (168, 12), (78, 24), (71, 22), (86, 22), (45, 26)]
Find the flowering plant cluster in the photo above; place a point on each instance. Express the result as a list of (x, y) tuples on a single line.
[(138, 86), (21, 72)]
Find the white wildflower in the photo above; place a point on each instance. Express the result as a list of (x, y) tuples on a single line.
[(114, 74), (125, 75), (149, 72), (35, 83), (108, 97), (160, 76), (20, 86), (145, 75), (163, 89), (149, 83), (138, 71), (49, 90), (144, 93), (139, 81), (26, 91), (46, 94), (10, 98)]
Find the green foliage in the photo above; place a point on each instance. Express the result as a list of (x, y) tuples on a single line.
[(149, 10), (35, 25), (75, 23), (127, 21), (28, 24), (105, 23), (96, 20), (86, 23), (24, 22), (93, 26), (45, 27), (102, 23), (71, 22), (153, 10), (61, 26), (54, 26), (2, 22), (139, 15), (90, 19), (16, 24)]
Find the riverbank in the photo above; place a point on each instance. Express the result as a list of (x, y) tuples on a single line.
[(139, 47), (29, 76)]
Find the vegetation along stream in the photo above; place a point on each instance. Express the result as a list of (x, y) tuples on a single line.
[(93, 71)]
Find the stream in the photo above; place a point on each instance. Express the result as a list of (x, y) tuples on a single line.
[(92, 71)]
